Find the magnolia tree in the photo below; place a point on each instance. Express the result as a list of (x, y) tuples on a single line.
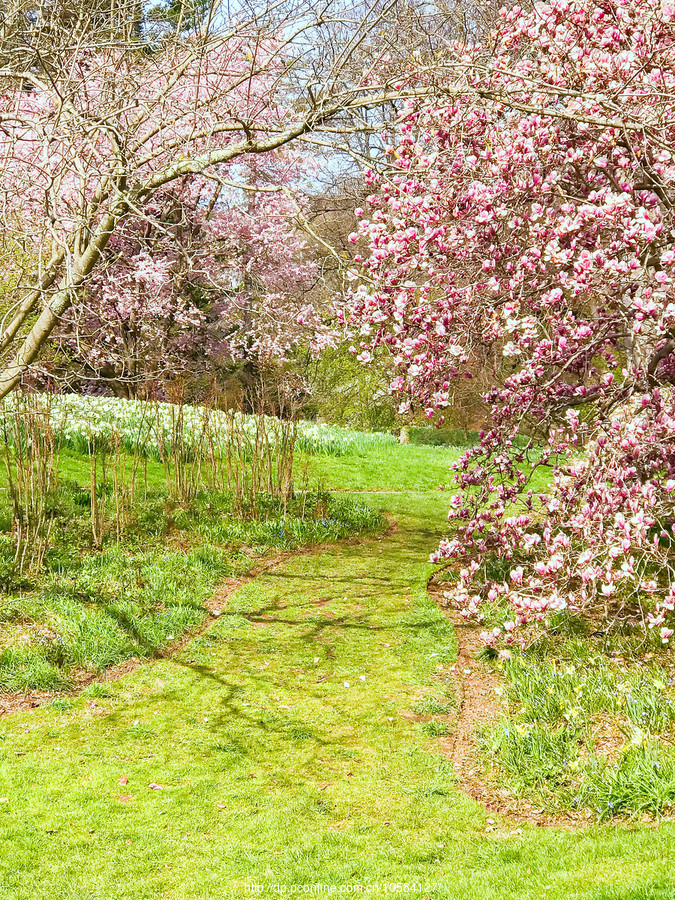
[(104, 114), (527, 226), (208, 278)]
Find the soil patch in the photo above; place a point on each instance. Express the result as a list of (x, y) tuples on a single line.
[(476, 685)]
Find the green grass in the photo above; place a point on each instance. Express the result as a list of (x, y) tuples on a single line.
[(402, 468), (280, 742), (342, 517), (534, 756), (282, 751), (577, 689), (117, 606), (433, 706), (87, 610), (584, 732), (641, 782)]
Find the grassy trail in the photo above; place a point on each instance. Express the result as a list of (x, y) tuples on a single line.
[(273, 750)]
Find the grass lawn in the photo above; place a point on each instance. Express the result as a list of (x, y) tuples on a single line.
[(275, 750), (85, 610)]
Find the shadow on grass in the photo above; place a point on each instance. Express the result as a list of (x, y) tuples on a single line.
[(358, 577), (276, 729), (264, 616)]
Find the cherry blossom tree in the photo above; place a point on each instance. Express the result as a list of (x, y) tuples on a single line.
[(208, 280), (100, 119), (526, 225)]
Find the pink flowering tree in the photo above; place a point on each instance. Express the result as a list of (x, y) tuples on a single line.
[(102, 120), (209, 278), (526, 226)]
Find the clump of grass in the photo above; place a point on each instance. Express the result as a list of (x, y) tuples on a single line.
[(551, 693), (431, 706), (339, 518), (138, 731), (434, 729), (27, 668), (550, 744), (97, 691), (532, 756), (641, 782), (62, 704)]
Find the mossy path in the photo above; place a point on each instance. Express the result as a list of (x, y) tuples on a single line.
[(277, 750)]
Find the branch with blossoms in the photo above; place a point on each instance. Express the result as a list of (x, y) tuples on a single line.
[(97, 121), (597, 546), (527, 217), (209, 276)]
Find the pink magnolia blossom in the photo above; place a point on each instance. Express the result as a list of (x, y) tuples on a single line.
[(527, 229)]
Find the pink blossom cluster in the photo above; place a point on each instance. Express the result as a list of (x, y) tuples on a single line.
[(526, 228), (205, 276), (196, 270), (132, 119)]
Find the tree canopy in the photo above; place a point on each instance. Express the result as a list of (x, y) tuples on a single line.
[(526, 226)]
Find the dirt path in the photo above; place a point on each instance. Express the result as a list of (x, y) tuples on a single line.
[(477, 685)]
